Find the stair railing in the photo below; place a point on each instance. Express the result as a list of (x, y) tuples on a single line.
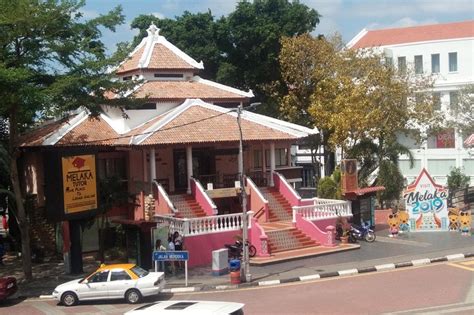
[(202, 198), (256, 199), (286, 189), (165, 205)]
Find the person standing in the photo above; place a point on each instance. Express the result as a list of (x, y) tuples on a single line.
[(160, 248), (171, 247)]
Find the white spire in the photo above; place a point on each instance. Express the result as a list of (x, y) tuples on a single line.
[(153, 30)]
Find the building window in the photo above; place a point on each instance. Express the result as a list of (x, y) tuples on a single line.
[(280, 157), (435, 63), (308, 176), (419, 64), (168, 75), (389, 61), (402, 65), (453, 99), (111, 167), (436, 101), (127, 78), (444, 139), (257, 159), (453, 61)]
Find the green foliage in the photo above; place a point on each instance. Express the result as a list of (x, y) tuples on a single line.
[(457, 179), (327, 188), (391, 178)]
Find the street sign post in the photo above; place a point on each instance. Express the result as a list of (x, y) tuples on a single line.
[(177, 255)]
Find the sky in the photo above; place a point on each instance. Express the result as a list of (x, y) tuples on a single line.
[(347, 17)]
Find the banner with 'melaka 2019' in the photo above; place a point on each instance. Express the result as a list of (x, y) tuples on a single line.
[(426, 204), (79, 183)]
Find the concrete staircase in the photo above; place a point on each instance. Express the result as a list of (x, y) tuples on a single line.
[(279, 207), (282, 236), (187, 206)]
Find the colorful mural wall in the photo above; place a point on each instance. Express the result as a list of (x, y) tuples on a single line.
[(426, 204)]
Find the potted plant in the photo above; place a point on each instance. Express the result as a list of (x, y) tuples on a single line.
[(345, 236)]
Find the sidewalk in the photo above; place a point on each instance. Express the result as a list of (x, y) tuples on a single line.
[(424, 247)]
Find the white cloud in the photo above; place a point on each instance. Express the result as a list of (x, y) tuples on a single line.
[(158, 15), (403, 22)]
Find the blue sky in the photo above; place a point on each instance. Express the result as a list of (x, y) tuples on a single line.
[(347, 17)]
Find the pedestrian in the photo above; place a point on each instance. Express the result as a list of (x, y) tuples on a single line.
[(171, 248), (178, 245), (159, 247)]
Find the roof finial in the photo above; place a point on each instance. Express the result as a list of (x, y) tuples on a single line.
[(153, 30)]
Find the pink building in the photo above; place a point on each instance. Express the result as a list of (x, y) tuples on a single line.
[(177, 155)]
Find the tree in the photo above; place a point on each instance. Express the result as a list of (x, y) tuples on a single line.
[(462, 111), (51, 62), (457, 180), (392, 179)]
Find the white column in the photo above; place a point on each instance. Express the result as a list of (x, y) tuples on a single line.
[(152, 165), (145, 168), (189, 165), (288, 155), (272, 163)]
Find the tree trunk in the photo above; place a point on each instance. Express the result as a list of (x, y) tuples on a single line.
[(21, 212), (22, 220)]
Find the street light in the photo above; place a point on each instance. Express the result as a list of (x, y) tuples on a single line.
[(245, 274)]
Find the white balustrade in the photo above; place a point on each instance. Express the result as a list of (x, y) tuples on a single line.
[(204, 225), (322, 209)]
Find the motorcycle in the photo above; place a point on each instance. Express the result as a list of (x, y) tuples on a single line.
[(236, 250), (363, 232)]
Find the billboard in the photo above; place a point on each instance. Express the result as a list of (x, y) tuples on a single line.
[(79, 183), (426, 204)]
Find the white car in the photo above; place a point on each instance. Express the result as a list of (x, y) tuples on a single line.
[(118, 281), (189, 307)]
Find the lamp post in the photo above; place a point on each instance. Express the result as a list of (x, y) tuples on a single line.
[(245, 272)]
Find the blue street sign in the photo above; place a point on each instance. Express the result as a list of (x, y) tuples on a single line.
[(178, 255)]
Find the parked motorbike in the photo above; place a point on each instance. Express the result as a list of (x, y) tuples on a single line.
[(236, 250), (363, 232)]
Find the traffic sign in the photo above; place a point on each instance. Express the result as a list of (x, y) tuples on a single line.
[(178, 255)]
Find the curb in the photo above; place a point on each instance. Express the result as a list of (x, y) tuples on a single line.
[(341, 273)]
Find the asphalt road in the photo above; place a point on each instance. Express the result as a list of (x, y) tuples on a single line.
[(430, 289)]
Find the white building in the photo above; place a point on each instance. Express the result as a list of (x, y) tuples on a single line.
[(447, 52)]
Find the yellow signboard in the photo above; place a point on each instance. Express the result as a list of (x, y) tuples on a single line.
[(79, 183)]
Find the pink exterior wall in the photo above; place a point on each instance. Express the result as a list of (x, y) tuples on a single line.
[(200, 247), (135, 168), (286, 190), (256, 202), (314, 231), (202, 199)]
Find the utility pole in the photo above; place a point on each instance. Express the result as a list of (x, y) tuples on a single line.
[(245, 268)]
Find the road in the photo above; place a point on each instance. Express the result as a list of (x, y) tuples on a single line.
[(430, 289)]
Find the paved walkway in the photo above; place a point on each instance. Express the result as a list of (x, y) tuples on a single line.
[(384, 251)]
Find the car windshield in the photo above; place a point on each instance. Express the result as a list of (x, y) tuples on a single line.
[(139, 271)]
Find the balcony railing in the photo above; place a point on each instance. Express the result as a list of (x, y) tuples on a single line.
[(322, 209), (204, 225)]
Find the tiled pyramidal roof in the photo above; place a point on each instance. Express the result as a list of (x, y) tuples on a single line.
[(155, 52)]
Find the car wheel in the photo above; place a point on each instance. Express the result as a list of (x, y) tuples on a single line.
[(69, 299), (133, 296)]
